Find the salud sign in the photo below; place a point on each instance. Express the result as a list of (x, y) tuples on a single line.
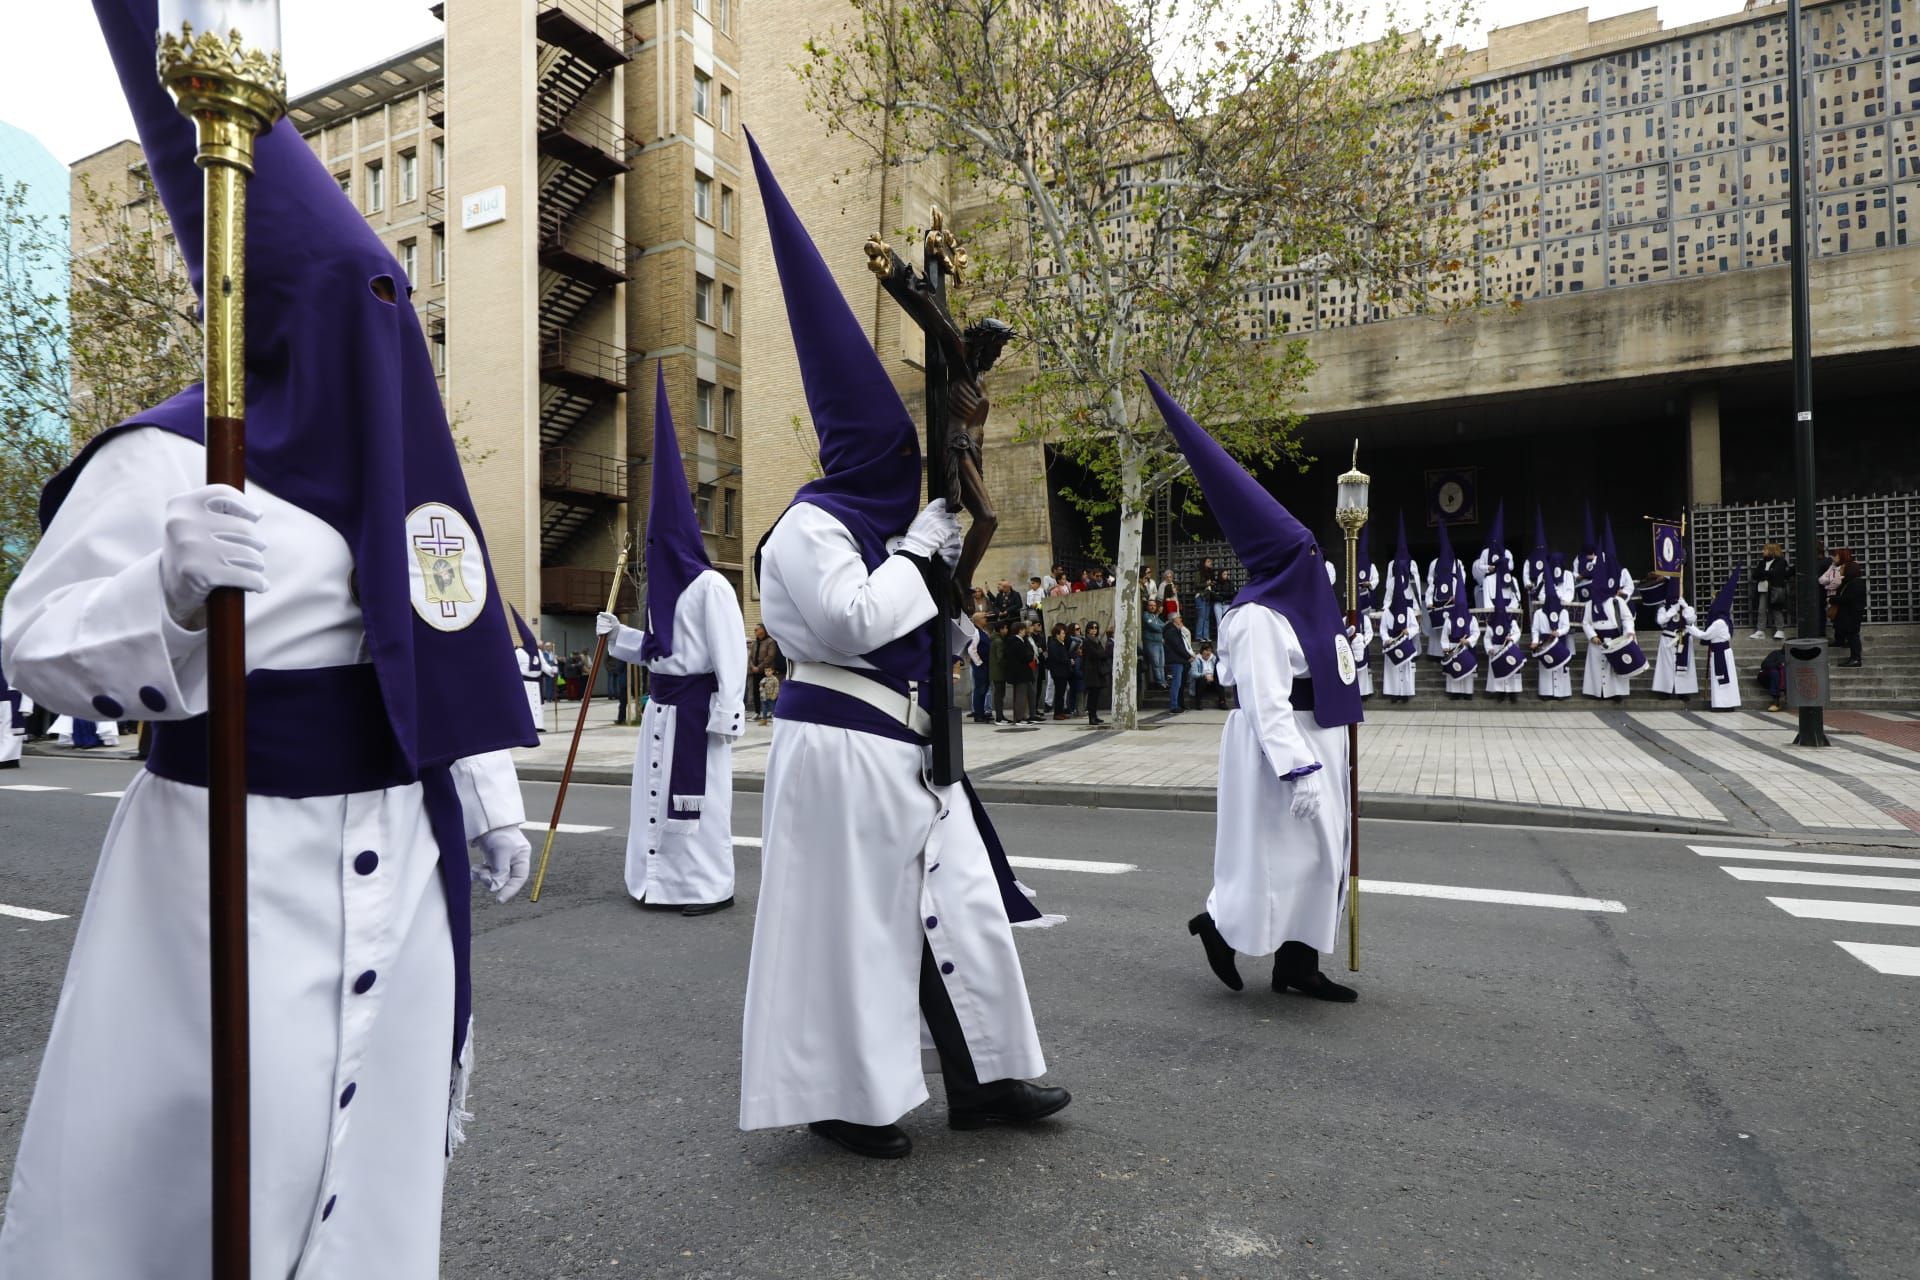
[(483, 208)]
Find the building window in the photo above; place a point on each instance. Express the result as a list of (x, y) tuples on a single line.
[(703, 406), (729, 411), (376, 187), (703, 507), (409, 176), (410, 260), (439, 346), (703, 8), (726, 110), (726, 308), (726, 210), (439, 164), (439, 257), (723, 14), (346, 183), (702, 94), (703, 197), (703, 299), (726, 513)]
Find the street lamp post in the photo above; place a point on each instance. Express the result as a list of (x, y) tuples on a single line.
[(1350, 511), (1811, 619)]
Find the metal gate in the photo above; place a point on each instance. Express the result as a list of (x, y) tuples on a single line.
[(1882, 531)]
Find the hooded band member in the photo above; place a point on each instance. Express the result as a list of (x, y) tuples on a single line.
[(1280, 849), (1400, 623), (1552, 651), (1673, 668), (1717, 635), (885, 901), (380, 710), (680, 840)]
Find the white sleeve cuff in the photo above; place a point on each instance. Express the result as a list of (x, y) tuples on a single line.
[(489, 793), (726, 717)]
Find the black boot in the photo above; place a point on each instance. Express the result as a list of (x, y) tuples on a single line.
[(1297, 965), (876, 1141), (706, 908), (971, 1104), (1219, 954)]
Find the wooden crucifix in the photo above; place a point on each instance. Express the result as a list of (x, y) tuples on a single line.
[(956, 414)]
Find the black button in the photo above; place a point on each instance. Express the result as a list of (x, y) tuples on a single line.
[(933, 922), (328, 1211), (363, 983), (107, 707), (153, 698), (366, 862), (346, 1094), (947, 967)]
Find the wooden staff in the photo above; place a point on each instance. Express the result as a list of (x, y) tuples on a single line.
[(579, 726), (229, 82), (1351, 514)]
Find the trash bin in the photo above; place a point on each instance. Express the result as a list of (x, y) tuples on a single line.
[(1806, 672)]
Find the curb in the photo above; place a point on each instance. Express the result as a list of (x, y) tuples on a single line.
[(1384, 808)]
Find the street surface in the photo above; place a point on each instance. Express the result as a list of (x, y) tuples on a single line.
[(1611, 1055)]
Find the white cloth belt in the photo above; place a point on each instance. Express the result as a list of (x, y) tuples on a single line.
[(904, 709)]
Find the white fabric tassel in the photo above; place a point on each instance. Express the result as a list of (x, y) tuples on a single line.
[(457, 1113), (1044, 922)]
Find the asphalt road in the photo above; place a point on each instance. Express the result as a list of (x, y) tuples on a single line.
[(1698, 1085)]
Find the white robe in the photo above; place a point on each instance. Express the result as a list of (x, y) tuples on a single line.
[(532, 667), (1556, 682), (112, 1175), (1397, 678), (1507, 683), (1600, 680), (1449, 641), (1275, 878), (1357, 644), (1436, 638), (12, 742), (673, 860), (62, 731), (864, 864), (1724, 693), (1670, 675)]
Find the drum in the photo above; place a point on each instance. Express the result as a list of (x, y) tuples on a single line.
[(1462, 662)]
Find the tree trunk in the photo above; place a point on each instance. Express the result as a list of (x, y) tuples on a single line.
[(1126, 602)]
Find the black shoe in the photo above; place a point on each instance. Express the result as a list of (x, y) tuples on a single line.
[(9, 764), (1004, 1102), (1219, 954), (875, 1141), (1298, 966), (706, 908), (644, 905), (1851, 662)]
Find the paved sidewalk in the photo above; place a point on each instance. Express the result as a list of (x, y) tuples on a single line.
[(1667, 770)]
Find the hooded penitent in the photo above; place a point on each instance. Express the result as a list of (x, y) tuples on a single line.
[(1461, 661), (1505, 654), (1720, 652), (1403, 611), (1446, 573), (1586, 564), (1284, 569), (1610, 558), (344, 420), (1364, 579), (1558, 652), (1539, 563), (676, 553)]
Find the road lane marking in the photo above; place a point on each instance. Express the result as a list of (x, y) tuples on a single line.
[(28, 913), (28, 786), (106, 795), (1825, 879), (1507, 897), (1851, 912), (565, 828), (746, 842), (1820, 859), (1072, 864), (1902, 962)]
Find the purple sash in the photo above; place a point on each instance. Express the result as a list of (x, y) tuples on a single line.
[(1722, 669), (806, 703), (325, 732), (15, 721), (1681, 639), (690, 697)]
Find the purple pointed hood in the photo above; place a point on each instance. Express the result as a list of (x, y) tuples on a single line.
[(527, 640), (1497, 534), (1285, 571), (344, 417), (1446, 569), (1551, 603), (869, 446), (1609, 572), (1540, 560), (676, 553), (1589, 545), (1722, 607)]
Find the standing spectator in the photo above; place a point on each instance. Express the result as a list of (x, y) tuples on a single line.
[(1076, 677), (1830, 578), (1204, 677), (577, 676), (1771, 579), (1203, 603), (1004, 604), (1036, 595), (1096, 579), (1059, 668), (979, 668), (1096, 671), (1179, 647), (1168, 593), (549, 672), (763, 658), (998, 658), (1222, 597), (1153, 645), (617, 687), (1061, 587), (1057, 578), (1849, 608), (1022, 669)]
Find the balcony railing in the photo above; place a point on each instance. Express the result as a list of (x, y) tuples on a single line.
[(593, 29), (437, 106), (436, 203), (575, 473), (568, 355), (590, 139), (565, 589), (434, 319), (584, 248)]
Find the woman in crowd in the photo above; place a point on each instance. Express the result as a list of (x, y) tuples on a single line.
[(1076, 677), (1179, 646), (1771, 579), (1153, 645), (1849, 608), (1096, 671), (997, 670), (1060, 668), (1023, 668)]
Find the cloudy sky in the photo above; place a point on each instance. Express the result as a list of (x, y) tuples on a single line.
[(73, 104)]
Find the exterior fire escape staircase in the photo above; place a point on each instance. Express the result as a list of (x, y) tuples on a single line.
[(581, 150)]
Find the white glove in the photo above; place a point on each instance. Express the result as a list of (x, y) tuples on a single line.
[(935, 533), (209, 542), (605, 625), (508, 859), (1306, 796)]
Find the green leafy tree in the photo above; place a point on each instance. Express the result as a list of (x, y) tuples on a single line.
[(1150, 172)]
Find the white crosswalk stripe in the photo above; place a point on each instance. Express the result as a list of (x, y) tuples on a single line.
[(106, 795), (28, 786), (565, 828), (1505, 897), (1899, 960), (28, 913)]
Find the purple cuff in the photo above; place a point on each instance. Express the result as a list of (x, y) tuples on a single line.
[(1301, 772)]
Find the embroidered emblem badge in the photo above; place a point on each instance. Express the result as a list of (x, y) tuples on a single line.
[(448, 591)]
